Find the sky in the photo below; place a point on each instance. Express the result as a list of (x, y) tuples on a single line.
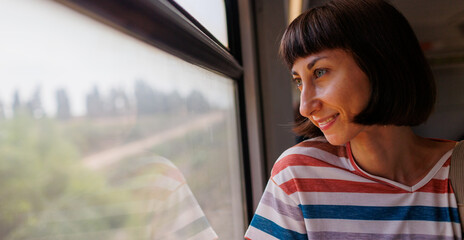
[(46, 45), (211, 14)]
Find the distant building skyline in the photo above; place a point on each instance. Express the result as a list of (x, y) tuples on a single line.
[(51, 46), (145, 100)]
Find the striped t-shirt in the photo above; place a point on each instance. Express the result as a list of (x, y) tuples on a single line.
[(173, 211), (147, 198), (317, 191)]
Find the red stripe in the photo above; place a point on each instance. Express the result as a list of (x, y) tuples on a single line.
[(339, 151), (333, 185), (436, 186), (447, 163), (298, 160)]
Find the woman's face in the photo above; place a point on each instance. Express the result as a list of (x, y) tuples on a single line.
[(333, 91)]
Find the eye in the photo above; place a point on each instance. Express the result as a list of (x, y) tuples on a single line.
[(319, 72), (298, 82)]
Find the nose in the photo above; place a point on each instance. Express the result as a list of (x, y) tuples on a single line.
[(309, 103)]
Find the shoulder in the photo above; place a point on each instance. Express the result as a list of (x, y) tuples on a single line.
[(154, 170), (312, 152)]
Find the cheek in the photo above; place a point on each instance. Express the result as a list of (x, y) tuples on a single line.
[(337, 96), (361, 90), (361, 99), (359, 102), (354, 96)]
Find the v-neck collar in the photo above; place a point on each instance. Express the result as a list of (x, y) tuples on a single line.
[(413, 188)]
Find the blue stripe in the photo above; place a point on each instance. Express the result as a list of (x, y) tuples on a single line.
[(376, 236), (275, 230), (419, 213)]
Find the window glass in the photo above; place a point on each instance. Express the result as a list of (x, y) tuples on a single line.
[(211, 14), (98, 128)]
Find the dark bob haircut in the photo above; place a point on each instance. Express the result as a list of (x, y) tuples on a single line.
[(385, 48)]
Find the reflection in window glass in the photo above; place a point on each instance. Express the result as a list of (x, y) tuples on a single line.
[(97, 128), (211, 14)]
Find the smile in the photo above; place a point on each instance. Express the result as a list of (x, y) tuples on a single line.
[(324, 125)]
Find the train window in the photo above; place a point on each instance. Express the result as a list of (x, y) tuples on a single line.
[(211, 14), (90, 116)]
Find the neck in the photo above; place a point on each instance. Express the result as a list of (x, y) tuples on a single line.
[(395, 153)]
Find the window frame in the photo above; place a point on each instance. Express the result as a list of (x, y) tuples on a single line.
[(161, 24), (167, 26)]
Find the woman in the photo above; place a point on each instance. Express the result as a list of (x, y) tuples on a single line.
[(364, 174)]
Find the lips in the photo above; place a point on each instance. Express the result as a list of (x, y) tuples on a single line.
[(326, 123)]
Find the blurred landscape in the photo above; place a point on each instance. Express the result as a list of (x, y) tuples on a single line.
[(62, 174)]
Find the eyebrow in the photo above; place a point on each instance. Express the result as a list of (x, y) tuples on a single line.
[(311, 64)]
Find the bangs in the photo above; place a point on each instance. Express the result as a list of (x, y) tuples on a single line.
[(311, 32)]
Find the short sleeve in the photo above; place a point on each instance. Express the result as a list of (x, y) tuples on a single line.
[(176, 213), (277, 217)]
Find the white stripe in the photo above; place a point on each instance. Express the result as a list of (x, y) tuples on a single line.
[(281, 220), (183, 219), (319, 154), (177, 196), (256, 234), (166, 183), (162, 160), (278, 193), (381, 199), (207, 234), (316, 172), (442, 174), (317, 139), (382, 227), (148, 183), (166, 236)]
